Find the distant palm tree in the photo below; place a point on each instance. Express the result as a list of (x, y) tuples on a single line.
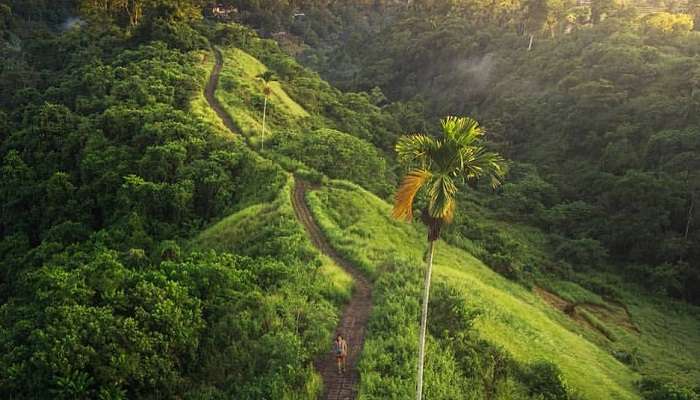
[(266, 77), (437, 165)]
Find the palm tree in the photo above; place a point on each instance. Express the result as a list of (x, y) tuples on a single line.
[(266, 77), (438, 165)]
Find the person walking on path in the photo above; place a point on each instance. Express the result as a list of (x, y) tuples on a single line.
[(340, 348)]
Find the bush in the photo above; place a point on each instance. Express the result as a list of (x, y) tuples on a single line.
[(544, 378), (449, 313), (178, 35), (96, 328), (336, 154), (310, 175), (584, 251), (631, 358), (653, 389), (503, 264)]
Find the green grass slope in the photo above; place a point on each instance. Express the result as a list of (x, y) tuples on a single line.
[(358, 224), (514, 317), (271, 228), (657, 336), (241, 94), (248, 231)]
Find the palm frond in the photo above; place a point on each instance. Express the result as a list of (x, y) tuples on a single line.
[(462, 131), (416, 148), (442, 198), (459, 154), (403, 200), (478, 163)]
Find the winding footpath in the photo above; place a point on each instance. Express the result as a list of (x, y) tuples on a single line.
[(353, 320)]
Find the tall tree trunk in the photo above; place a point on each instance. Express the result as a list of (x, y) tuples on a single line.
[(690, 215), (424, 321), (262, 141)]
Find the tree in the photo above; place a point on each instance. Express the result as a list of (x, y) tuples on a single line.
[(676, 152), (602, 8), (665, 24), (266, 77), (134, 12), (438, 165), (537, 13)]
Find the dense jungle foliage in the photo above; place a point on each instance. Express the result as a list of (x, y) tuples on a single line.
[(105, 175), (601, 117), (148, 253)]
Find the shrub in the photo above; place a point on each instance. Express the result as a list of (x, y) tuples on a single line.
[(544, 378), (653, 389), (336, 154), (631, 358), (178, 35), (584, 251), (449, 313), (503, 264), (310, 175)]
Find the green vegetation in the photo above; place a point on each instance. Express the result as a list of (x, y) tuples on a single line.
[(148, 252), (242, 95), (104, 292), (292, 133), (271, 228), (435, 168), (511, 316), (601, 117)]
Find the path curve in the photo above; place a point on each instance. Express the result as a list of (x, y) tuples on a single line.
[(354, 319), (210, 89)]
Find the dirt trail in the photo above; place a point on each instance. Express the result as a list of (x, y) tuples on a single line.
[(353, 321), (210, 89), (354, 318)]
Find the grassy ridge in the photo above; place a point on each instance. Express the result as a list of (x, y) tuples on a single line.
[(357, 223), (241, 94), (359, 226), (272, 228), (199, 105), (248, 231)]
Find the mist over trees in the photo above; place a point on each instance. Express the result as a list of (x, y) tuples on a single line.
[(107, 174), (603, 90)]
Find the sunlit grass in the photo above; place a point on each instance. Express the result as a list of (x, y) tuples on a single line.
[(573, 293), (249, 67), (199, 105), (247, 232), (240, 92), (358, 224), (340, 282), (669, 344)]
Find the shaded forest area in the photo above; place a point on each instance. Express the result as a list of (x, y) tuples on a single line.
[(601, 117)]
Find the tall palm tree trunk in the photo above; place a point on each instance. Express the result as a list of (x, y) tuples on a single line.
[(690, 216), (424, 320), (262, 141)]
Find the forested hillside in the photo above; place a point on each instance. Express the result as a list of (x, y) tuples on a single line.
[(106, 174), (601, 115), (152, 152)]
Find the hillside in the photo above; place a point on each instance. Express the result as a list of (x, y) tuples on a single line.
[(513, 317), (159, 240)]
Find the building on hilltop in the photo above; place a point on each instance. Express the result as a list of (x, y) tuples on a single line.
[(222, 12)]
